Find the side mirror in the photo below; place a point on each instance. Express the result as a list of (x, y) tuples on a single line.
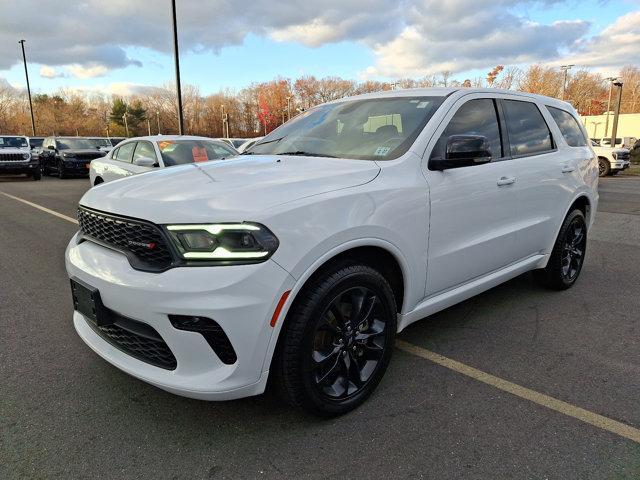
[(145, 162), (51, 147), (463, 151)]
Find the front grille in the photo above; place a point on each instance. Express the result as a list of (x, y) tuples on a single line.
[(88, 156), (137, 339), (622, 155), (12, 157), (143, 243)]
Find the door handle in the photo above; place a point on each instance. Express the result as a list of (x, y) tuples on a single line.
[(506, 181), (568, 168)]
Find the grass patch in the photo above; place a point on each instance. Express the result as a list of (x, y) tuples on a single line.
[(632, 170)]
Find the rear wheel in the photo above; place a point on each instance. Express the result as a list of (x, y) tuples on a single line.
[(567, 257), (604, 167), (36, 174), (337, 341)]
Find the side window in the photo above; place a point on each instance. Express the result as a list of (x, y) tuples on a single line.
[(569, 127), (528, 132), (145, 150), (476, 117), (125, 152), (114, 153)]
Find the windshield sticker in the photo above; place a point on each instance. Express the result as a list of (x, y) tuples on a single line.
[(199, 154), (422, 105), (414, 101), (167, 146), (382, 151)]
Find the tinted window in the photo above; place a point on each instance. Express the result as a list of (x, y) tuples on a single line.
[(528, 132), (36, 142), (13, 142), (125, 152), (75, 144), (568, 127), (476, 117), (179, 152), (144, 150)]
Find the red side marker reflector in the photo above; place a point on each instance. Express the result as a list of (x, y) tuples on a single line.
[(278, 309)]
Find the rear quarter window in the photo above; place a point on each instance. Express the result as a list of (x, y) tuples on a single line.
[(569, 127)]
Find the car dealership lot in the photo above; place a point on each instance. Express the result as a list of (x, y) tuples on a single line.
[(66, 413)]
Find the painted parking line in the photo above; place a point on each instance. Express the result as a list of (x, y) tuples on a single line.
[(599, 421), (605, 423), (40, 207)]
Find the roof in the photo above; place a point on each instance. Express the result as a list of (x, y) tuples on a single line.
[(171, 137), (445, 91)]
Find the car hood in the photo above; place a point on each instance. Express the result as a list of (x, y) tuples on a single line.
[(232, 190), (82, 151)]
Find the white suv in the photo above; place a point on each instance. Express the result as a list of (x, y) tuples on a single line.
[(300, 261), (611, 160)]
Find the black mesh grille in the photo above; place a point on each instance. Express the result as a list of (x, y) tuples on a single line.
[(12, 157), (623, 155), (142, 242), (212, 333), (138, 340)]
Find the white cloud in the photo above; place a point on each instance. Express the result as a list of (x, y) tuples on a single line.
[(50, 72), (89, 71)]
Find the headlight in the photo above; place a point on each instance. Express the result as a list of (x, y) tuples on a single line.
[(224, 242), (25, 156)]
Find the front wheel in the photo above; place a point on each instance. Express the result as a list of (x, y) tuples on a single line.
[(604, 167), (337, 341), (36, 174), (567, 256), (61, 171)]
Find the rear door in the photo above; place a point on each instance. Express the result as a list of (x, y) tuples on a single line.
[(118, 165), (544, 169), (473, 209)]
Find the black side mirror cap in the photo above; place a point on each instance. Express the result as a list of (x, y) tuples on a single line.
[(463, 151)]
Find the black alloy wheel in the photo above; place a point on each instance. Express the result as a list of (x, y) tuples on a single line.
[(336, 341), (349, 342), (61, 171), (568, 254), (573, 249)]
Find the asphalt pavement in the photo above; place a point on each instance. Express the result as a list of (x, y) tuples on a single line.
[(65, 413)]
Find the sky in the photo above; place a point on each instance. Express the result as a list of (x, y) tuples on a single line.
[(124, 46)]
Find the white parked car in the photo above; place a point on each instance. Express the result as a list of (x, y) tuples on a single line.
[(248, 144), (17, 158), (611, 160), (302, 260), (143, 154)]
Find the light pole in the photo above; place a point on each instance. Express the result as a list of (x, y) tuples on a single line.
[(176, 57), (566, 69), (225, 124), (616, 113), (595, 128), (149, 126), (606, 124), (158, 119), (26, 74), (288, 108), (126, 125)]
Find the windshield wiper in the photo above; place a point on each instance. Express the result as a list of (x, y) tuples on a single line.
[(306, 154)]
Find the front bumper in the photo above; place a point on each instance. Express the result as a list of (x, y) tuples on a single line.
[(620, 165), (77, 167), (16, 168), (241, 299)]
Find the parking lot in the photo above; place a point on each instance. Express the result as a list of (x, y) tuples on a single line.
[(65, 413)]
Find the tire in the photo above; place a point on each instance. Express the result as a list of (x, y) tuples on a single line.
[(568, 254), (327, 363), (604, 167), (37, 174), (61, 173), (614, 173), (45, 170)]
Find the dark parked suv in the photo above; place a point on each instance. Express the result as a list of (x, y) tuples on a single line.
[(68, 156)]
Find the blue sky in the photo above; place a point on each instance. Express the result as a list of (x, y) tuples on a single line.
[(211, 64)]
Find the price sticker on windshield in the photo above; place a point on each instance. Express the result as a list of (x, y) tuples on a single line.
[(199, 154), (381, 151)]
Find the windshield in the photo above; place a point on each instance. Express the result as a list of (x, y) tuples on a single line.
[(36, 142), (372, 129), (238, 141), (100, 142), (74, 143), (179, 152), (13, 142)]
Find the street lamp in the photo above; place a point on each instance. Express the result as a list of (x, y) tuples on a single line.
[(595, 128), (176, 57), (606, 125), (126, 125), (288, 108), (158, 119), (26, 74), (566, 68), (616, 113)]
